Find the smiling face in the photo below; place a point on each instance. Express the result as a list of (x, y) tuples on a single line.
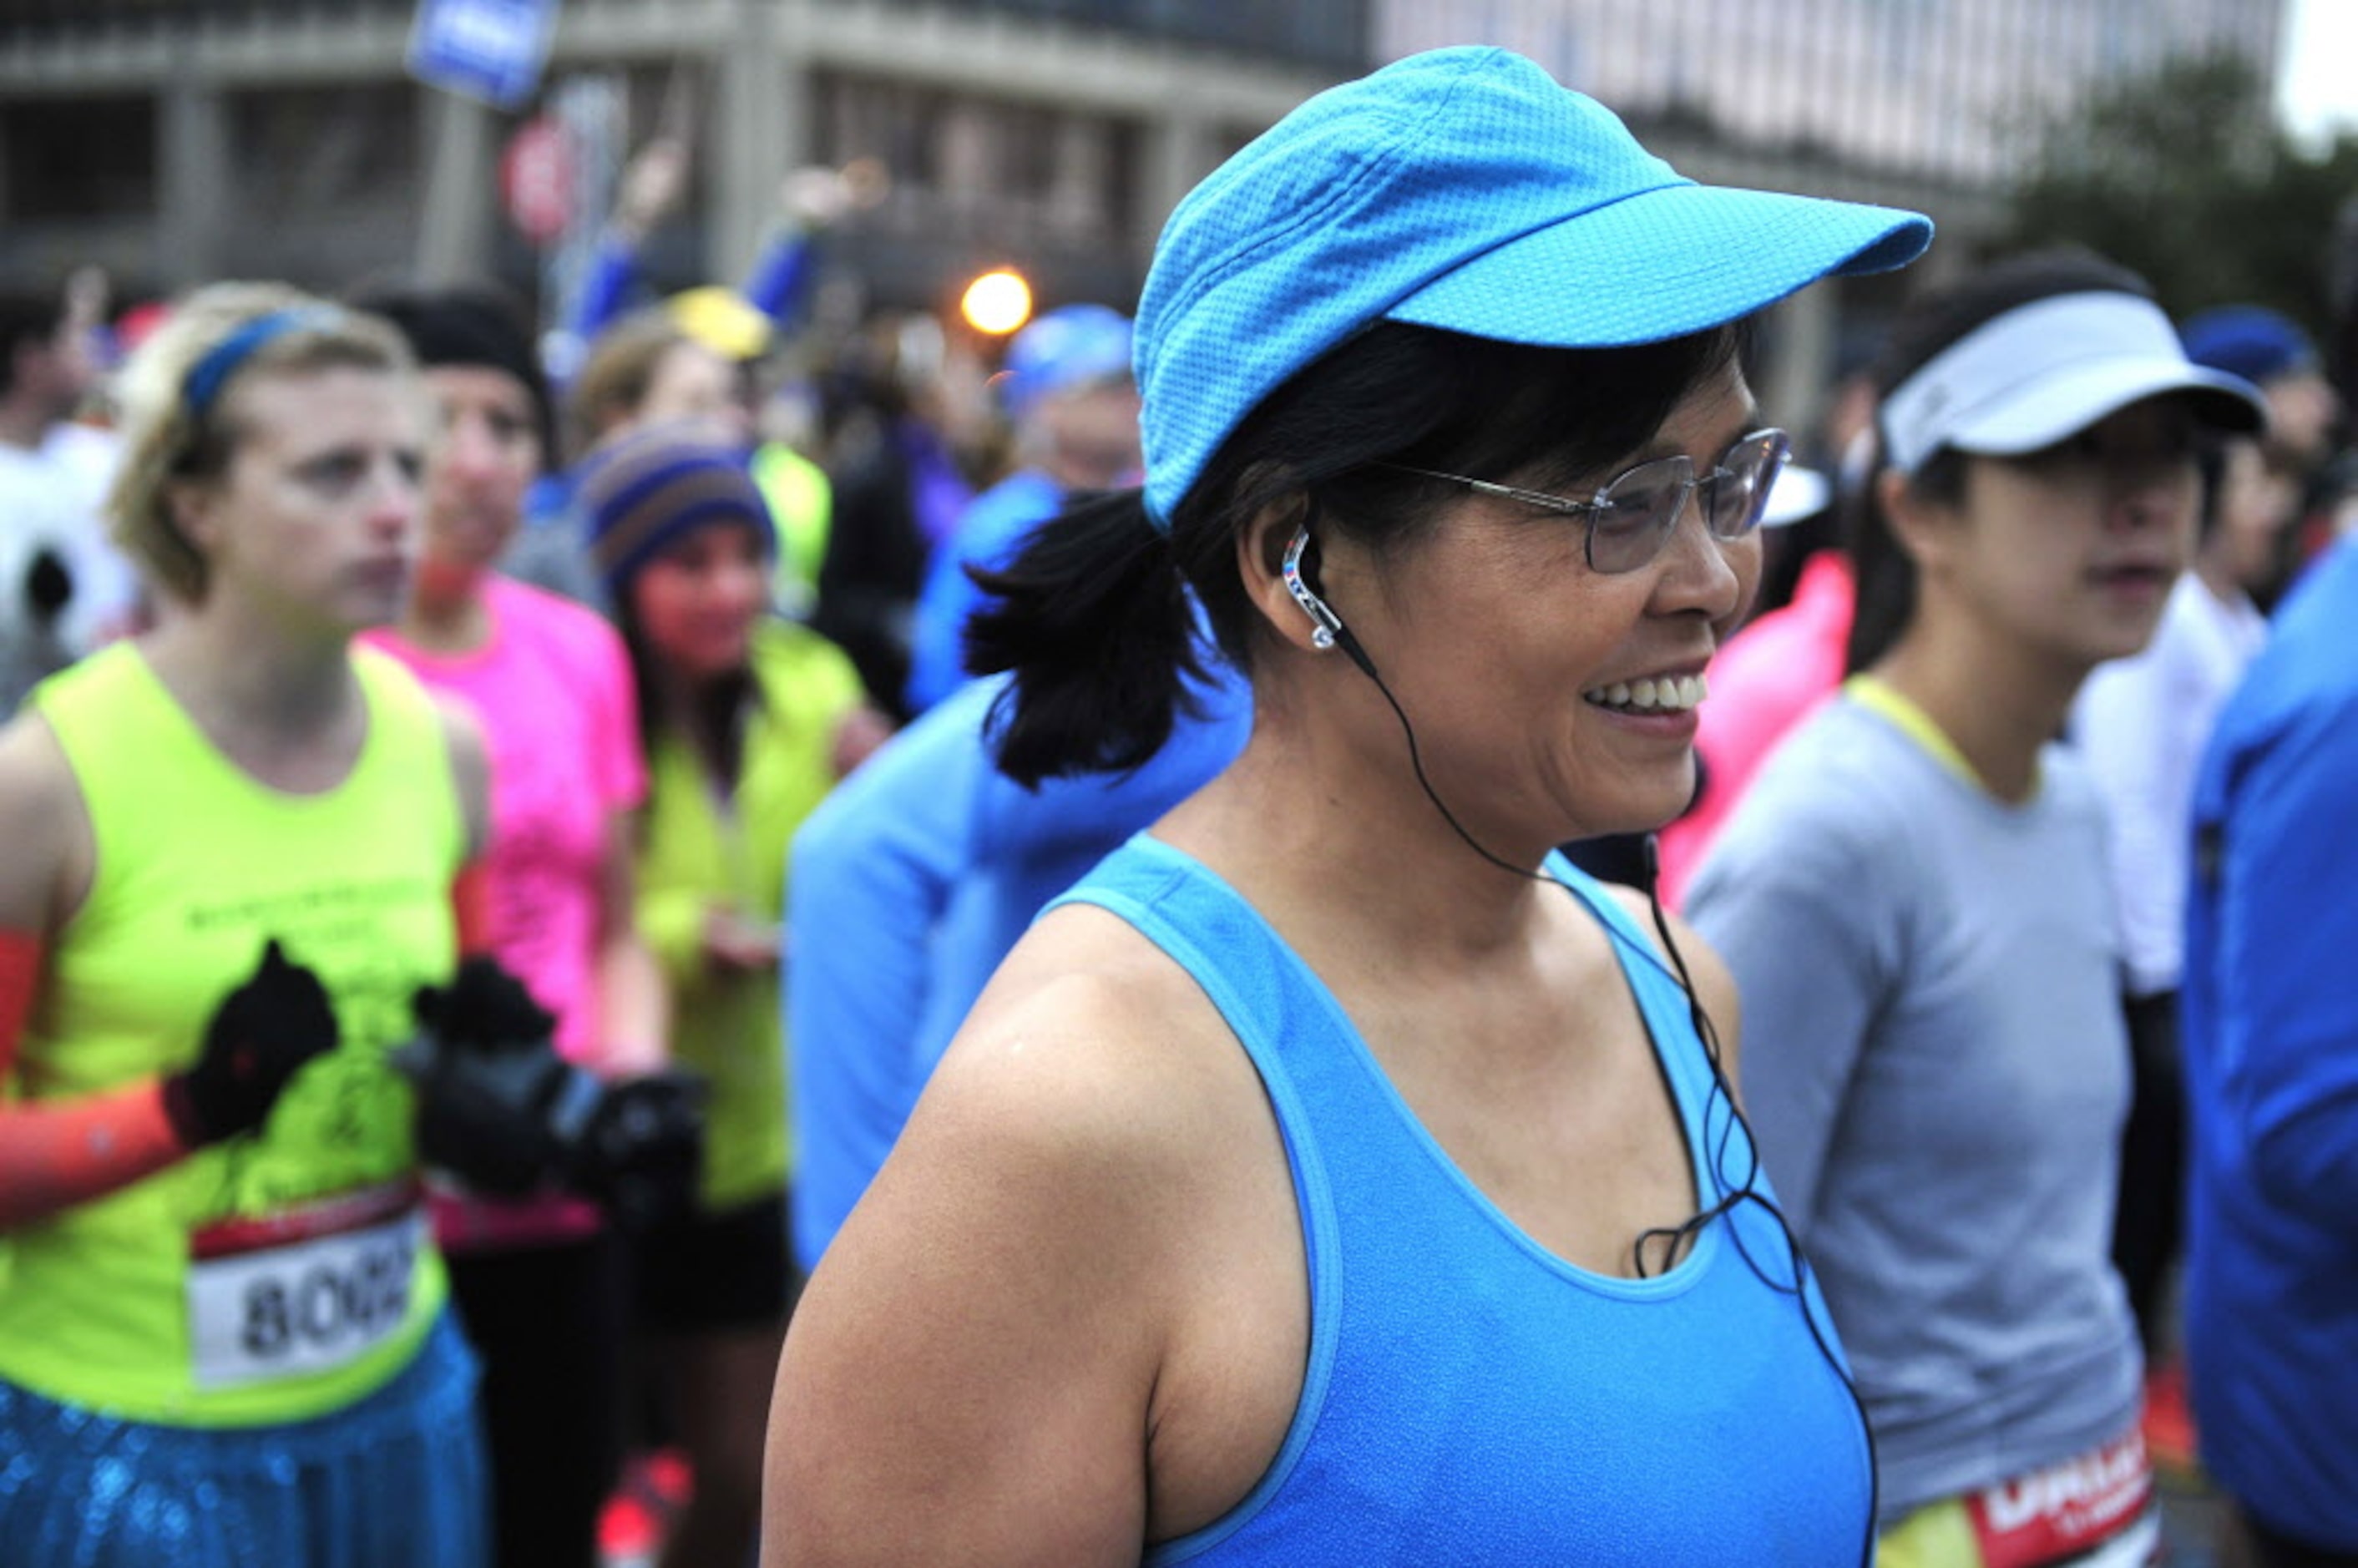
[(2068, 554), (486, 454), (1510, 651), (315, 518)]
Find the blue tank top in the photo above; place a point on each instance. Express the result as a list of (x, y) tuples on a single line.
[(1469, 1397)]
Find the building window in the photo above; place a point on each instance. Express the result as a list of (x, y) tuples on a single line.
[(78, 158)]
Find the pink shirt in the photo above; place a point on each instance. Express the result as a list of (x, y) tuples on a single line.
[(1765, 681), (551, 690), (552, 693)]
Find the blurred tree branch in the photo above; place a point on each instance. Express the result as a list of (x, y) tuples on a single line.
[(2184, 175)]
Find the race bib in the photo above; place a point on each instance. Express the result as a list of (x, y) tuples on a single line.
[(303, 1290), (2094, 1510)]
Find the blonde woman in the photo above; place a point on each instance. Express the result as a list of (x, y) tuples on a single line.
[(223, 1332)]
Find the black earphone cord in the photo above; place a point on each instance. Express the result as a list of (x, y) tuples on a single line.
[(1732, 1196)]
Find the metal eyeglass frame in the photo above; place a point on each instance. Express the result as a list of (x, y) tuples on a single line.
[(1689, 481)]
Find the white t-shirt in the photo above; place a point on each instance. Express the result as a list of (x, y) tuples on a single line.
[(2141, 725), (64, 589)]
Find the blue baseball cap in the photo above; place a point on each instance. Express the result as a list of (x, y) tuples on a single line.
[(1461, 188), (1069, 347), (2248, 340)]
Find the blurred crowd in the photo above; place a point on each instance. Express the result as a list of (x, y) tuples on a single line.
[(701, 787)]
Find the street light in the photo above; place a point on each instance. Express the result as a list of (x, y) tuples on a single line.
[(997, 303)]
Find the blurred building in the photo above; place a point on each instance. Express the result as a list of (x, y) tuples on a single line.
[(1939, 93), (177, 140)]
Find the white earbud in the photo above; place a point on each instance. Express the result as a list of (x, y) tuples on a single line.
[(1325, 621)]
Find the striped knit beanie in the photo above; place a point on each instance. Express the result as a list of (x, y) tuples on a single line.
[(645, 490)]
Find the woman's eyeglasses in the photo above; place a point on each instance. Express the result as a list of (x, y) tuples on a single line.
[(1632, 515)]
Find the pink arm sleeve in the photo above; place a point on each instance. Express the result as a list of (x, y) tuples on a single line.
[(53, 1156)]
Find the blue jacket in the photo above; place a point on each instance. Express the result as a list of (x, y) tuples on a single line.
[(987, 535), (910, 884), (2271, 1044)]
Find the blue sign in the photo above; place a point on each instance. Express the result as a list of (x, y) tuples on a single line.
[(490, 49)]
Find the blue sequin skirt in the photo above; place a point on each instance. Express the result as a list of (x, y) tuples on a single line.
[(396, 1481)]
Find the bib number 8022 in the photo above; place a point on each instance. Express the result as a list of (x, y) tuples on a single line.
[(325, 1305), (306, 1307)]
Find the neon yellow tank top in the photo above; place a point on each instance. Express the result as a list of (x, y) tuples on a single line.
[(284, 1274)]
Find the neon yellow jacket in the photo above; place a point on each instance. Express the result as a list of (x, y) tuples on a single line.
[(698, 851)]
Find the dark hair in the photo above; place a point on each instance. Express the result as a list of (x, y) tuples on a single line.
[(1886, 573), (470, 324), (25, 318), (1095, 616)]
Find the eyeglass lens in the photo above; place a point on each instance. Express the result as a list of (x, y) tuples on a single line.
[(1637, 511)]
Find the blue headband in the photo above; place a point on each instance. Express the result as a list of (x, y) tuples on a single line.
[(221, 362)]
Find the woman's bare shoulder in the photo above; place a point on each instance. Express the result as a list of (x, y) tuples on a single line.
[(974, 1365), (1090, 1037)]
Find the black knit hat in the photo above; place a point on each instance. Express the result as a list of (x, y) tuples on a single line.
[(468, 325)]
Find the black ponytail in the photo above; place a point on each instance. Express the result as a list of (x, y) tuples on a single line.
[(1885, 571), (1093, 618)]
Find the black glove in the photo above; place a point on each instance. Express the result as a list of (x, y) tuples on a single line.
[(487, 1077), (484, 1008), (502, 1112), (259, 1036), (640, 1153)]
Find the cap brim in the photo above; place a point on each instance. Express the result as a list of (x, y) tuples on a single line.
[(1662, 264), (2065, 404)]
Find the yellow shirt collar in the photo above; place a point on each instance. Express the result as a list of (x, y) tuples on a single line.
[(1878, 696)]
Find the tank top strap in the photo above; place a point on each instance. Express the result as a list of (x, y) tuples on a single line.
[(145, 771), (1269, 996), (1259, 987), (104, 708), (1662, 1002), (1258, 984), (1284, 1019)]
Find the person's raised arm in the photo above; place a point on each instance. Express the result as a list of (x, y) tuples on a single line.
[(648, 192)]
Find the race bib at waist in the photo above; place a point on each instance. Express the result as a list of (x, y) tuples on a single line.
[(2095, 1509), (307, 1289)]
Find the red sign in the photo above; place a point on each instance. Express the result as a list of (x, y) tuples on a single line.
[(537, 177)]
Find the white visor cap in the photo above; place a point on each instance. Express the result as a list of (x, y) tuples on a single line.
[(2048, 370), (1799, 492)]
